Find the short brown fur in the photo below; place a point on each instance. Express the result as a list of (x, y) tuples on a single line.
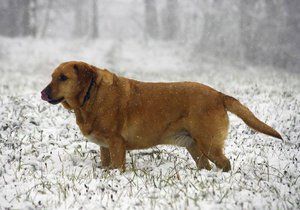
[(123, 114)]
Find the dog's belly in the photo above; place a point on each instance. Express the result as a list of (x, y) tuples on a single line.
[(139, 142), (135, 141), (100, 141), (181, 139), (140, 134)]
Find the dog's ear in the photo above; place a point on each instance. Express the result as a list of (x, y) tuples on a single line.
[(85, 75), (107, 77)]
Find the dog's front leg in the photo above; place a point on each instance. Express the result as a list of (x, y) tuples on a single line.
[(117, 151), (105, 157)]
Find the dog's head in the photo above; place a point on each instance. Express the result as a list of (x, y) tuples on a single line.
[(71, 82)]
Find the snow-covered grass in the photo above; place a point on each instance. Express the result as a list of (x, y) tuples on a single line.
[(46, 163)]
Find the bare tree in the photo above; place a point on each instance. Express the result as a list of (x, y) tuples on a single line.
[(4, 17), (151, 24), (170, 20), (95, 32), (291, 37), (26, 17), (47, 18), (246, 31), (211, 40), (28, 21), (33, 18), (79, 18), (12, 18)]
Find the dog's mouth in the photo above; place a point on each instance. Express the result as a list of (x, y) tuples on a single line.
[(45, 97), (53, 101)]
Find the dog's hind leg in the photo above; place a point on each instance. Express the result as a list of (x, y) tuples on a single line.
[(213, 152), (200, 159), (210, 136), (217, 156), (184, 139)]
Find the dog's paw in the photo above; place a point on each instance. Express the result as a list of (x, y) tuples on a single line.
[(121, 168)]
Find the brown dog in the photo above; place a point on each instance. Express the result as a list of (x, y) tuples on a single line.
[(122, 114)]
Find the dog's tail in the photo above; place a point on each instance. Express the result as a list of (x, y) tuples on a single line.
[(234, 106)]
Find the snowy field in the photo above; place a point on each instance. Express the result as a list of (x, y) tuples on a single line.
[(46, 163)]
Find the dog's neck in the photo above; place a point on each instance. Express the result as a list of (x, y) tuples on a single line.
[(88, 93)]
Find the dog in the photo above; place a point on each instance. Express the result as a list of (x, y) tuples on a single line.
[(122, 114)]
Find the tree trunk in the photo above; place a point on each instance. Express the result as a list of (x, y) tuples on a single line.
[(151, 19), (33, 16), (95, 20), (26, 17), (210, 40), (79, 19), (291, 34), (47, 18), (13, 26), (29, 18), (171, 22), (246, 33)]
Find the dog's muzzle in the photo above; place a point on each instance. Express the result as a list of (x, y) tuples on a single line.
[(45, 95)]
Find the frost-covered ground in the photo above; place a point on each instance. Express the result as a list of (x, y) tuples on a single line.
[(46, 163)]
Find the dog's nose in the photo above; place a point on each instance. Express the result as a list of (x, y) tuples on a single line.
[(45, 94)]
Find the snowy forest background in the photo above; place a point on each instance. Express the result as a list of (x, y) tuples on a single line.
[(256, 32), (249, 49)]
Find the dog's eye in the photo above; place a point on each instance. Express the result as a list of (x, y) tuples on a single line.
[(63, 77)]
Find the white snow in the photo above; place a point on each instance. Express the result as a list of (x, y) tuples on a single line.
[(47, 163)]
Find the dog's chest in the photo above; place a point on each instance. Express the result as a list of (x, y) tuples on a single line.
[(100, 141)]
